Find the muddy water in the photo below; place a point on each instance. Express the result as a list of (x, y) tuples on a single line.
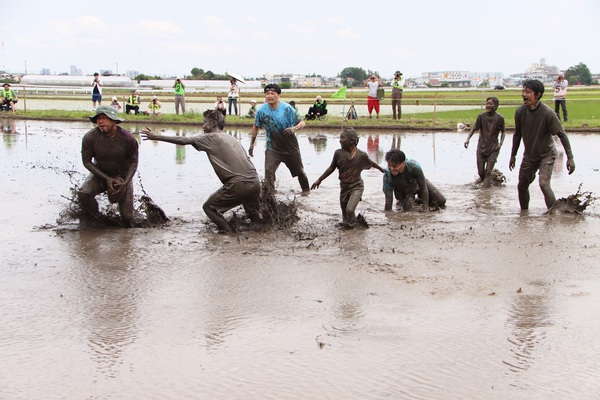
[(475, 301)]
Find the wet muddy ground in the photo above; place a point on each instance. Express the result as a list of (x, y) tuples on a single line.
[(474, 301)]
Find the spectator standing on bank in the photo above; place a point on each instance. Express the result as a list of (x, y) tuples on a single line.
[(373, 83), (560, 96), (397, 88), (233, 96), (179, 95), (96, 91)]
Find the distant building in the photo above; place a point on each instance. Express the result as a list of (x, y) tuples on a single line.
[(542, 71), (75, 71), (74, 81), (462, 78), (45, 71)]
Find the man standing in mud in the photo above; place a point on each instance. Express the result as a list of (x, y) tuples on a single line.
[(280, 121), (405, 179), (110, 153), (536, 124), (228, 158)]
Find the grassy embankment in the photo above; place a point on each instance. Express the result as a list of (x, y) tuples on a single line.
[(583, 107)]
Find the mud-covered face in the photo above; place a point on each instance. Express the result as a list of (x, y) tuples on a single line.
[(105, 124), (529, 98), (490, 106), (396, 168), (345, 141)]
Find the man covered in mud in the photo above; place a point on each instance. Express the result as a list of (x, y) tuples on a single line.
[(536, 124), (110, 153), (350, 162), (490, 124), (241, 184), (280, 121), (404, 178)]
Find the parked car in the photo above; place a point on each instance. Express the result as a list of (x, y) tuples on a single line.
[(499, 87)]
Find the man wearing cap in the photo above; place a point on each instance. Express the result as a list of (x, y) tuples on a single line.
[(397, 88), (252, 110), (110, 153), (133, 103), (241, 184), (154, 106), (280, 121), (9, 98)]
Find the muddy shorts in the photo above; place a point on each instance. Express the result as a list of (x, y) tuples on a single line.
[(491, 158), (94, 185), (291, 160), (347, 190), (231, 195), (530, 166)]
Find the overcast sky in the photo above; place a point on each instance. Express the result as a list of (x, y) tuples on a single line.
[(302, 37)]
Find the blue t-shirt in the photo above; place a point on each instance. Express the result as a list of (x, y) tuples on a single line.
[(275, 122)]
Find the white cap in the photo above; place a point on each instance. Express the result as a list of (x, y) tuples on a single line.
[(154, 97), (114, 98), (252, 101)]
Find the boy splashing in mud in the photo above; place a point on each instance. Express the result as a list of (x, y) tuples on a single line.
[(350, 161), (489, 124)]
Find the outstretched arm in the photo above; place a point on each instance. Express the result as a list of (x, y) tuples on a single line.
[(325, 174), (147, 134)]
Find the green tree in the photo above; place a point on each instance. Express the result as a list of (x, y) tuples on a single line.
[(579, 74), (353, 76)]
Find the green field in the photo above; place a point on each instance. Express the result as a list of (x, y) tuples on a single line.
[(583, 106)]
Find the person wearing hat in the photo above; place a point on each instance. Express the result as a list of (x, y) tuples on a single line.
[(9, 98), (154, 106), (179, 95), (252, 111), (133, 103), (241, 184), (115, 104), (110, 153), (397, 88), (281, 122)]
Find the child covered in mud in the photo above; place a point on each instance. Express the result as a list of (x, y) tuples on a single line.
[(241, 184), (489, 124), (350, 161)]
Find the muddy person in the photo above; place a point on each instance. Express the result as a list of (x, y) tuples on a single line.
[(241, 184), (404, 178), (350, 162), (536, 124), (490, 124), (110, 153), (280, 122)]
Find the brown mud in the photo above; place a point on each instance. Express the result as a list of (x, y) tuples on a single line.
[(477, 300)]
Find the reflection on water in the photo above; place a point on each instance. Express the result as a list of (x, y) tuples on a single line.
[(528, 319), (419, 306)]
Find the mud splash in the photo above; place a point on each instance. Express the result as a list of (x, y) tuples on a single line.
[(575, 203)]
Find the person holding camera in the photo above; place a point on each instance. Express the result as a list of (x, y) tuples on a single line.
[(96, 91), (179, 95), (233, 96), (220, 106), (397, 88)]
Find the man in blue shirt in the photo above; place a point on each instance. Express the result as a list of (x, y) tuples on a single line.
[(280, 122)]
